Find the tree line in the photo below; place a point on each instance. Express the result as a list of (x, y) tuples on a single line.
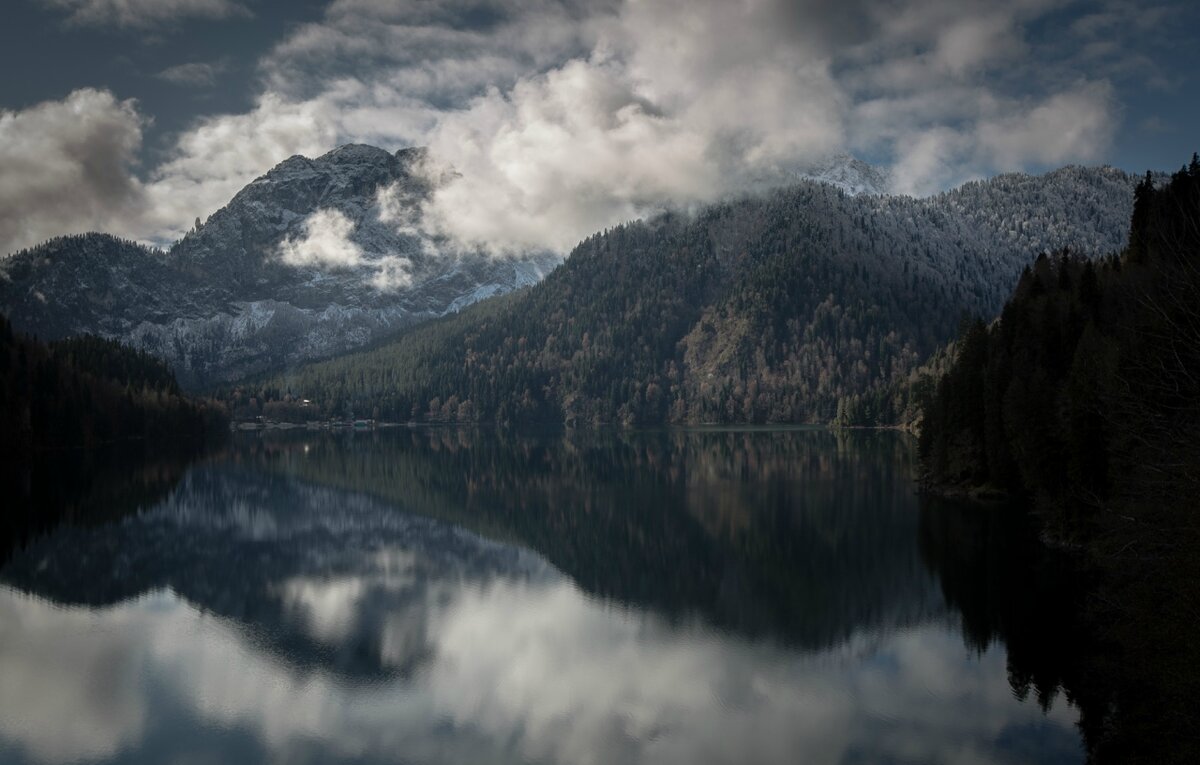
[(1087, 387), (787, 308), (1084, 396), (87, 391)]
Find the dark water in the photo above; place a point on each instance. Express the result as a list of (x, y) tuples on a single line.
[(474, 597)]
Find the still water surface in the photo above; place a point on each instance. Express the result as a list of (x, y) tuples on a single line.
[(433, 596)]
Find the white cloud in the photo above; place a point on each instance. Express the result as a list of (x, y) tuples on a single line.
[(196, 74), (145, 13), (326, 243), (1070, 126), (221, 154), (678, 103), (626, 129), (67, 167), (326, 606), (569, 152), (434, 49), (1004, 135), (562, 117), (926, 158), (391, 272)]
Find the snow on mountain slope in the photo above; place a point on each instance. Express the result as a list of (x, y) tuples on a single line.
[(851, 175), (316, 257), (320, 256)]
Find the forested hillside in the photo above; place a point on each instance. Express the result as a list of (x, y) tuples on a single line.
[(86, 391), (1089, 384), (768, 309), (1085, 395)]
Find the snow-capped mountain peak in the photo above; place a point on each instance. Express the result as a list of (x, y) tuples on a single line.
[(315, 257)]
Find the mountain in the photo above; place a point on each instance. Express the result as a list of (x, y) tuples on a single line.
[(1087, 388), (849, 174), (767, 309), (316, 257)]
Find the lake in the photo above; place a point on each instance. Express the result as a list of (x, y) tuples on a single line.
[(480, 596)]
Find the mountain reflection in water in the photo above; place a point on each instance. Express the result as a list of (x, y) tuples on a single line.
[(453, 596)]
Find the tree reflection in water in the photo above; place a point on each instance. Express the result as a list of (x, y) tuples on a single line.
[(666, 596)]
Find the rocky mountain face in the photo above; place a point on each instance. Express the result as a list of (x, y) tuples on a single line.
[(316, 257), (781, 307)]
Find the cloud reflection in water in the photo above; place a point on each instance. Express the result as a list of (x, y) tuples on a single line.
[(255, 617)]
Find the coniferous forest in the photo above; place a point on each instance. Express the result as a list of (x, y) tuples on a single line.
[(1084, 397), (87, 391), (1087, 388), (795, 307)]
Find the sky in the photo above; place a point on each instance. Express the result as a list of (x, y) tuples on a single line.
[(559, 118)]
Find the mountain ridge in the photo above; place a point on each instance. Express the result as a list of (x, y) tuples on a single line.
[(772, 308), (320, 256), (225, 302)]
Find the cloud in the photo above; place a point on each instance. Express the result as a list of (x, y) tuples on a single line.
[(563, 117), (572, 151), (971, 43), (67, 167), (680, 103), (1119, 40), (926, 158), (391, 272), (213, 160), (1076, 125), (617, 131), (70, 166), (441, 51), (1154, 125), (145, 13), (197, 74), (326, 243)]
